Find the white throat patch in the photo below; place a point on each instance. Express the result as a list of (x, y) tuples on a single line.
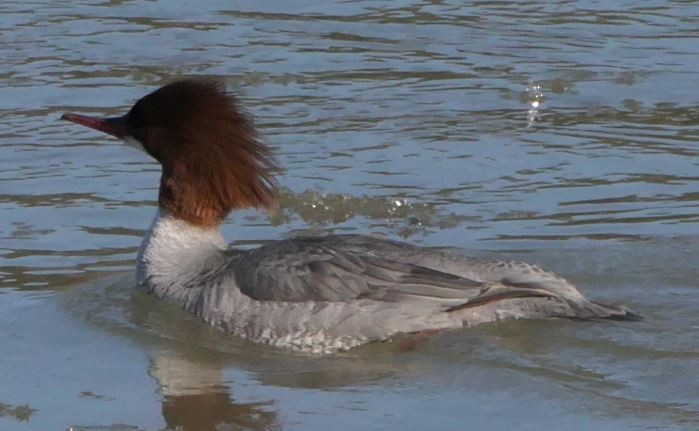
[(134, 143)]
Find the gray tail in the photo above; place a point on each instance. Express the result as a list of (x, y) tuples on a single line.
[(597, 310)]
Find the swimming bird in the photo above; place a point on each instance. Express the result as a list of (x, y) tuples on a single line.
[(314, 294)]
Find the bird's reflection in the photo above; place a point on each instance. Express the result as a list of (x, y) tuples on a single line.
[(190, 360), (195, 396)]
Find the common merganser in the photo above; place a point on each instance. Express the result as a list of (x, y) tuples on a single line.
[(314, 294)]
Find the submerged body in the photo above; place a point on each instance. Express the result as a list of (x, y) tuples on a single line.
[(315, 294)]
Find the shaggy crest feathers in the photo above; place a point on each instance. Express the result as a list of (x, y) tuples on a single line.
[(212, 159)]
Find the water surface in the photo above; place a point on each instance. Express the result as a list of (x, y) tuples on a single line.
[(562, 133)]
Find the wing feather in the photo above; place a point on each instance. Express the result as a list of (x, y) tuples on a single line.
[(318, 269)]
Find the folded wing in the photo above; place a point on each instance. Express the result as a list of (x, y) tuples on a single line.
[(313, 269)]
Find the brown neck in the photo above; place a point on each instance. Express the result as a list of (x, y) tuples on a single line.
[(206, 200), (194, 211)]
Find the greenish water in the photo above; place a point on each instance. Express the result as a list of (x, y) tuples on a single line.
[(415, 119)]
